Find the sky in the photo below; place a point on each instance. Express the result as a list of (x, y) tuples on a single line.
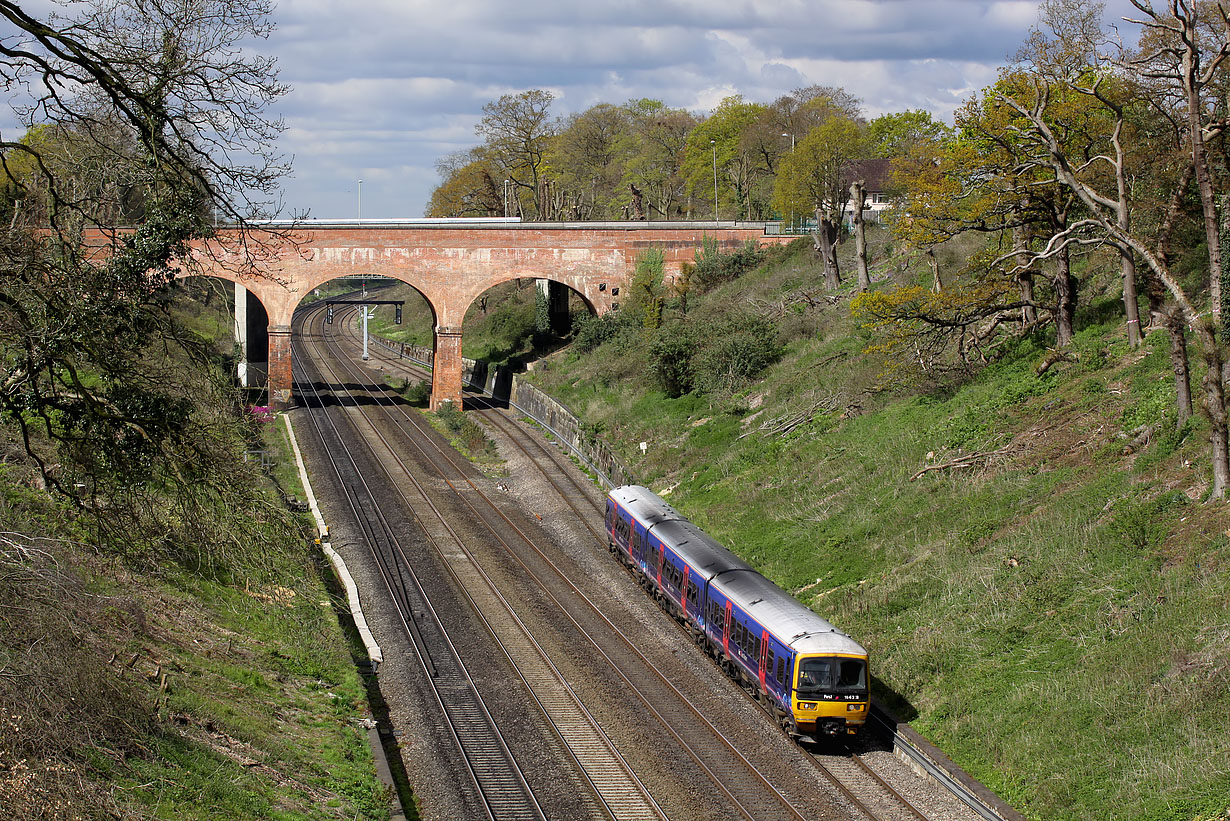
[(382, 89)]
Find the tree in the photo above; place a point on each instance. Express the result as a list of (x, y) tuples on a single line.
[(720, 140), (1103, 206), (135, 110), (517, 132), (587, 159), (814, 177), (468, 189), (895, 135), (655, 152)]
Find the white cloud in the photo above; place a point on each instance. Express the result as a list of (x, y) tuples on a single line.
[(383, 89)]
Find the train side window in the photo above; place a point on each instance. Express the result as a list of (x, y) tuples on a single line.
[(781, 670)]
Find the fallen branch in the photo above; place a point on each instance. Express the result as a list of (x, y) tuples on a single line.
[(969, 460)]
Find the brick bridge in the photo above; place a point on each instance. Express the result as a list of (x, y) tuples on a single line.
[(451, 263)]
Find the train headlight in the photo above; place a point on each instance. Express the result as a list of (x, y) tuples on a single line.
[(807, 705), (855, 708)]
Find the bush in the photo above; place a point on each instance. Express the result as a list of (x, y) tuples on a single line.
[(740, 348), (670, 360), (714, 267), (596, 330), (417, 393)]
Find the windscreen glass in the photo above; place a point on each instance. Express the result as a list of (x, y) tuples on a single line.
[(831, 675)]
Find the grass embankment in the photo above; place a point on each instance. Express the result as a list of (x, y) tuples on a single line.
[(174, 652), (1051, 613)]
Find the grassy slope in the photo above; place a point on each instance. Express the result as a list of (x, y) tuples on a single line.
[(143, 686), (1054, 617)]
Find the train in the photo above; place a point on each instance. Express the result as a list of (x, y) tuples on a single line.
[(810, 676)]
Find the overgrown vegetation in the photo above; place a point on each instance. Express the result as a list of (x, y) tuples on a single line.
[(1026, 554), (469, 437), (167, 641)]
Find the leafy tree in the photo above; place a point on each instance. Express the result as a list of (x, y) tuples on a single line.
[(719, 145), (896, 135), (814, 177), (587, 159), (517, 130), (655, 151), (469, 188)]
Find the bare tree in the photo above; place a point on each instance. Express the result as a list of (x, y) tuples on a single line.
[(149, 113)]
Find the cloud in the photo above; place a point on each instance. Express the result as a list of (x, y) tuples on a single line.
[(383, 89)]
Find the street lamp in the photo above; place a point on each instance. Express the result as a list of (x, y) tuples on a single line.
[(791, 136), (713, 144), (506, 184), (360, 199)]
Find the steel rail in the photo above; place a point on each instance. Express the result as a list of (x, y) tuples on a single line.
[(500, 785), (628, 643)]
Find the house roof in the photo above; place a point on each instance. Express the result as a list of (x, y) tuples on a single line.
[(873, 171)]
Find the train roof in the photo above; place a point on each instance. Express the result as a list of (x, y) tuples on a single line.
[(698, 548), (647, 506), (784, 615)]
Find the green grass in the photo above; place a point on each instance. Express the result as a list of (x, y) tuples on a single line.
[(1054, 618)]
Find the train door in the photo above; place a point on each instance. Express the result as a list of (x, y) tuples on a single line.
[(726, 627), (763, 661)]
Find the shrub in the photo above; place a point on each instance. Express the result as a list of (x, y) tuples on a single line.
[(593, 331), (714, 267), (670, 360), (738, 350)]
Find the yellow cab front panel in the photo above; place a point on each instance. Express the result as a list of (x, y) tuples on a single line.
[(830, 694)]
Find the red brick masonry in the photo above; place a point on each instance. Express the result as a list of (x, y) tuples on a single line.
[(450, 263)]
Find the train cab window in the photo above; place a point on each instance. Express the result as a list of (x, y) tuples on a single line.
[(781, 670), (851, 675)]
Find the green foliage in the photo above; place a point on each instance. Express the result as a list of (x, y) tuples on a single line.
[(737, 351), (670, 361), (593, 331), (467, 435), (542, 314), (713, 267), (647, 291)]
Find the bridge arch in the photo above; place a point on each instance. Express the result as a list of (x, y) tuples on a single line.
[(450, 262)]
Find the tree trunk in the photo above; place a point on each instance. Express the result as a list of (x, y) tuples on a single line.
[(935, 270), (1200, 163), (858, 201), (1065, 300), (1215, 407), (826, 242), (1131, 303), (1025, 277), (638, 203), (1180, 364)]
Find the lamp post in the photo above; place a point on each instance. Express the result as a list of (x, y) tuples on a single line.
[(506, 184), (360, 199), (791, 136), (713, 145)]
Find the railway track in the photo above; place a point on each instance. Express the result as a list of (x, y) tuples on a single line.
[(612, 782), (870, 794), (745, 789), (499, 790)]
